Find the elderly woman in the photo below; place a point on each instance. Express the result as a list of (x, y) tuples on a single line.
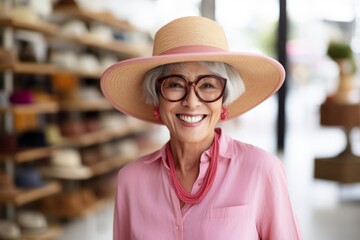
[(202, 184)]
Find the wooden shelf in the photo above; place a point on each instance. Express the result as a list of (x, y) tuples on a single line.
[(27, 196), (81, 213), (106, 18), (32, 108), (52, 232), (101, 136), (42, 27), (29, 154), (119, 47), (84, 173), (41, 69), (96, 169), (28, 68), (86, 106), (80, 141)]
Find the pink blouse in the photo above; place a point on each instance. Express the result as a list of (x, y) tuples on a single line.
[(249, 199)]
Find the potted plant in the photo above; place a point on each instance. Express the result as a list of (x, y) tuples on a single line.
[(342, 54)]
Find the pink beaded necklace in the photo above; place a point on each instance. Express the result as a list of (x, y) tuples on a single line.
[(182, 194)]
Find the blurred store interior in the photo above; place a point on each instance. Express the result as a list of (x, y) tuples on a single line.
[(52, 56)]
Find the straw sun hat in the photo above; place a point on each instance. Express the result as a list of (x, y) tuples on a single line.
[(183, 40)]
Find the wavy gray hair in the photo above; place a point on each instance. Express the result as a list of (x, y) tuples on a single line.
[(234, 85)]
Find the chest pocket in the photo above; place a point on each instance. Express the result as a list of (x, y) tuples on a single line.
[(228, 223)]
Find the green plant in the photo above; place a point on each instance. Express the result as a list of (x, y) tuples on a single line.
[(341, 51), (337, 50)]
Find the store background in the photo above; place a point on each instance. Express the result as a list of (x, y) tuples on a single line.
[(326, 210)]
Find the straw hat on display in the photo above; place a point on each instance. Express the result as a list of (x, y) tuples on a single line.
[(190, 39)]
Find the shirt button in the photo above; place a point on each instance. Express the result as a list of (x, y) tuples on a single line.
[(177, 227)]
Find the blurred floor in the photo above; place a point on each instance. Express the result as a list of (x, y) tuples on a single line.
[(325, 209)]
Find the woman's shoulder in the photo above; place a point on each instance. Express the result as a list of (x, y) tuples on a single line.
[(251, 155)]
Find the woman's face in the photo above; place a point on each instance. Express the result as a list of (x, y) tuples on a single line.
[(190, 120)]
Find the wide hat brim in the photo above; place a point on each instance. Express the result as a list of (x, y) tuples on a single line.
[(122, 83)]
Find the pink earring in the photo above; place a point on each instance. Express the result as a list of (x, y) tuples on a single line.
[(156, 113), (224, 113)]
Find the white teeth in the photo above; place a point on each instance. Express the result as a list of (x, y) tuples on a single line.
[(190, 119)]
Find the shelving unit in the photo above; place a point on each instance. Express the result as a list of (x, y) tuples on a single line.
[(345, 167), (56, 181), (26, 196)]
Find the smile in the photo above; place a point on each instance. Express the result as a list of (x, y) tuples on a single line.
[(191, 119)]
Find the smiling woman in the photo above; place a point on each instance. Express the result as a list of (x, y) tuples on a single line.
[(206, 184)]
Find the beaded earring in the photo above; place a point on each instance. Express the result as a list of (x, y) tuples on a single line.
[(224, 113), (156, 113)]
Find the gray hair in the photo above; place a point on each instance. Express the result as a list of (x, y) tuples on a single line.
[(234, 85)]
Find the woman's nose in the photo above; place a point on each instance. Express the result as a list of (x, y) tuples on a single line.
[(191, 100)]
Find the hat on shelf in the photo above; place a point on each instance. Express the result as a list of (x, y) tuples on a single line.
[(101, 32), (32, 138), (66, 162), (66, 59), (21, 96), (25, 14), (113, 121), (28, 177), (32, 222), (88, 63), (8, 142), (72, 127), (90, 155), (53, 134), (108, 150), (66, 158), (9, 230), (73, 203), (26, 96), (191, 39), (74, 28)]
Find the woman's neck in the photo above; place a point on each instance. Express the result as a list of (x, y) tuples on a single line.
[(186, 155)]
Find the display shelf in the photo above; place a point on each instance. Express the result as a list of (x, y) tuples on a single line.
[(40, 108), (63, 213), (87, 172), (119, 47), (41, 69), (28, 154), (104, 17), (97, 137), (26, 196), (103, 135), (344, 167), (39, 26), (99, 168), (52, 232), (29, 68), (86, 105)]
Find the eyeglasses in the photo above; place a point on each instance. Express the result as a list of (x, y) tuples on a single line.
[(208, 88)]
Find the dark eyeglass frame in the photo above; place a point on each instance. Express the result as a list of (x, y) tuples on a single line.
[(189, 84)]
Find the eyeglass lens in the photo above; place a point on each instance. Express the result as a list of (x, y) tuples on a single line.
[(207, 88)]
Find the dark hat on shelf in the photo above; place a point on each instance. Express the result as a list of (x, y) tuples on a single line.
[(28, 177), (21, 96), (8, 143), (32, 138)]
